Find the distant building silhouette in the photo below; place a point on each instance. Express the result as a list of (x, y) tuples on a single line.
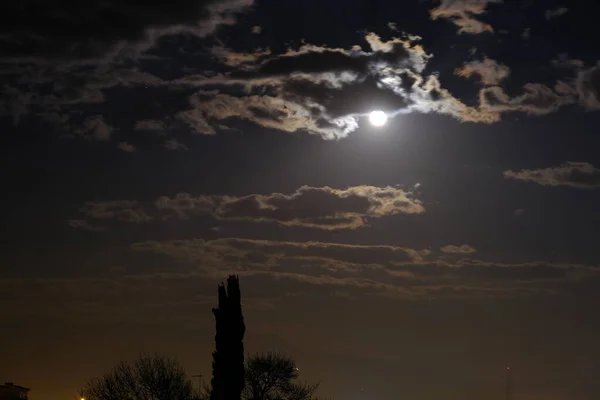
[(10, 391)]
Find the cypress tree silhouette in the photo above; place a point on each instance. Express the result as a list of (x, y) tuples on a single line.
[(228, 358)]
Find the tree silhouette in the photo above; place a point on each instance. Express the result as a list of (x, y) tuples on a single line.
[(228, 358), (272, 376), (148, 378)]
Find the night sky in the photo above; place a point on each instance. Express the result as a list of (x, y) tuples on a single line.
[(147, 151)]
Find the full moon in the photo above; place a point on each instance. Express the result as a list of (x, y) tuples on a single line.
[(377, 118)]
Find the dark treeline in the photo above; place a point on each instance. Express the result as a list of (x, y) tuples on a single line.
[(267, 376)]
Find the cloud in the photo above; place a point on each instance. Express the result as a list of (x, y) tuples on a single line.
[(196, 120), (323, 207), (536, 99), (489, 71), (563, 61), (462, 249), (296, 89), (40, 90), (188, 271), (174, 144), (84, 225), (60, 56), (462, 13), (384, 270), (555, 13), (95, 128), (126, 147), (76, 31), (587, 86), (582, 89), (183, 205), (297, 269), (125, 211), (149, 125), (307, 88), (309, 207), (579, 175), (265, 253)]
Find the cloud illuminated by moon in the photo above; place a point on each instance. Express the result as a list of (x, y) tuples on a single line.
[(378, 118)]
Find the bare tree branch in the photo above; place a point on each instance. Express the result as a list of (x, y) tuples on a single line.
[(148, 378)]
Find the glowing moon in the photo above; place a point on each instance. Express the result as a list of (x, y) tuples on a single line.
[(377, 118)]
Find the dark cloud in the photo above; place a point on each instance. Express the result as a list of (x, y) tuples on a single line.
[(126, 147), (303, 88), (50, 87), (84, 225), (310, 86), (385, 270), (310, 207), (249, 254), (95, 29), (58, 57), (125, 211), (463, 14), (587, 85), (183, 205), (95, 128), (174, 144), (279, 269), (579, 175), (149, 125)]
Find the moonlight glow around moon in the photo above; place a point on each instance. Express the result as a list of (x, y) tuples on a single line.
[(377, 118)]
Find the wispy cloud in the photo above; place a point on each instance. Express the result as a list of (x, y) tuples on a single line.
[(174, 144), (84, 225), (309, 207), (581, 88), (489, 71), (149, 125), (462, 249), (323, 208), (556, 12), (578, 175), (95, 128), (536, 99), (126, 147), (125, 211), (463, 14), (384, 270)]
